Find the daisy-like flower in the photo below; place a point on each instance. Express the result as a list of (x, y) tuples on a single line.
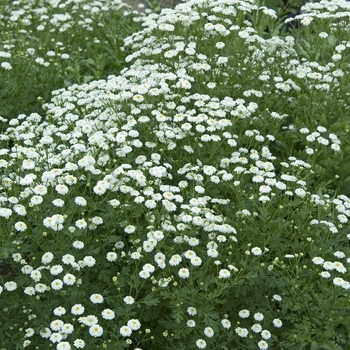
[(20, 226), (111, 256), (201, 344), (258, 316), (175, 260), (224, 273), (81, 201), (129, 300), (265, 334), (47, 258), (78, 244), (77, 309), (59, 311), (209, 332), (96, 331), (63, 346), (192, 311), (184, 273), (191, 323), (56, 284), (10, 286), (89, 261), (68, 259), (263, 345), (96, 298), (256, 251), (277, 323), (56, 270), (29, 291), (244, 313), (256, 328), (89, 320), (125, 331), (79, 343), (134, 324), (226, 323), (108, 314), (242, 332), (69, 279), (56, 325), (277, 297), (67, 328)]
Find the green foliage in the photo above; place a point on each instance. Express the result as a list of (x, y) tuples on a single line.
[(37, 36)]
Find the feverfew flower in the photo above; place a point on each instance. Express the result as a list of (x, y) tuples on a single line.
[(129, 300), (96, 330), (96, 298)]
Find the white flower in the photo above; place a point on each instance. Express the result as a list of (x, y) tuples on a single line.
[(58, 202), (108, 314), (56, 337), (6, 65), (10, 286), (63, 346), (196, 261), (325, 274), (80, 201), (40, 287), (191, 311), (277, 297), (242, 332), (89, 320), (56, 325), (59, 311), (67, 328), (96, 298), (69, 279), (244, 313), (277, 323), (47, 258), (263, 345), (129, 300), (79, 343), (256, 328), (78, 244), (20, 226), (226, 323), (81, 223), (224, 273), (130, 229), (125, 331), (265, 334), (201, 344), (175, 260), (56, 270), (256, 251), (111, 256), (61, 189), (56, 284), (317, 260), (77, 309), (96, 330), (209, 332), (258, 316), (134, 324), (89, 261), (191, 323), (184, 273)]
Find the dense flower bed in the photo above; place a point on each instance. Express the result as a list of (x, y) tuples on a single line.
[(198, 199)]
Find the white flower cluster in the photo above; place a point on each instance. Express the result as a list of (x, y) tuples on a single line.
[(159, 162)]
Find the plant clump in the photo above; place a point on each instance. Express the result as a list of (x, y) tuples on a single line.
[(199, 199)]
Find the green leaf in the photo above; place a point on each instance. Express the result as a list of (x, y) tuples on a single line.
[(150, 300)]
